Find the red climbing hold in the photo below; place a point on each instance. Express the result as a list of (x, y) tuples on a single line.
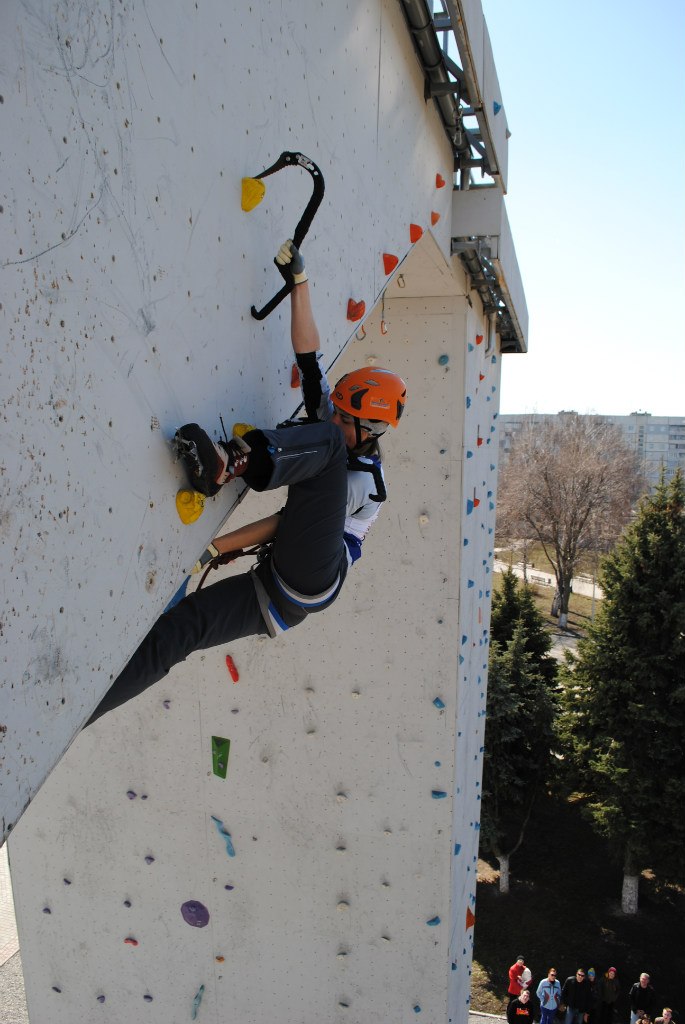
[(435, 217), (355, 310), (295, 376), (439, 181), (415, 232), (389, 262), (233, 671), (131, 942), (470, 918), (479, 339)]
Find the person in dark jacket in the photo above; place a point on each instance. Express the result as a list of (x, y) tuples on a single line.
[(576, 995), (642, 999), (609, 990), (521, 1009)]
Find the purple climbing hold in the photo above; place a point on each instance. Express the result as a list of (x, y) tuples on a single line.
[(195, 913), (166, 704), (56, 989), (131, 795), (67, 881), (229, 887), (149, 859), (127, 903), (147, 998), (46, 910), (101, 999)]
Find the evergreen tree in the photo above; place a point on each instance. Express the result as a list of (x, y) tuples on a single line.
[(625, 695), (518, 740), (513, 604)]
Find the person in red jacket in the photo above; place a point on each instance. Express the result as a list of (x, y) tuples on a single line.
[(516, 985)]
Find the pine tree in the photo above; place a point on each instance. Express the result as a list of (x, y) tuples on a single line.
[(518, 740), (512, 604), (625, 695)]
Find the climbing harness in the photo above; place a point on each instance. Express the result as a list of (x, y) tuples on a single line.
[(253, 192), (354, 463)]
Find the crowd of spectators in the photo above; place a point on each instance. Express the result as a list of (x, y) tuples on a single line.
[(583, 998)]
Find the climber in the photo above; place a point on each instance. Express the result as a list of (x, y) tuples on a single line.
[(331, 464)]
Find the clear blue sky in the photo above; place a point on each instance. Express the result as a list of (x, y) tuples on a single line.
[(595, 99)]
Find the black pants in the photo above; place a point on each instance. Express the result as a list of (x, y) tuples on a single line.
[(308, 554)]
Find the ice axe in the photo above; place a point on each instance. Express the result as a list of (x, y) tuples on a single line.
[(253, 191)]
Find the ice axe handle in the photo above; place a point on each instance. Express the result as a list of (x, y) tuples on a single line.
[(261, 314)]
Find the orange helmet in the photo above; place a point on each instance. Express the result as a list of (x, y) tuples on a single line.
[(372, 395)]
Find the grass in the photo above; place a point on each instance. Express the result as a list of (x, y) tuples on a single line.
[(579, 609), (564, 910)]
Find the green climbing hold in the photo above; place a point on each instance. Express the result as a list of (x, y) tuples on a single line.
[(220, 750)]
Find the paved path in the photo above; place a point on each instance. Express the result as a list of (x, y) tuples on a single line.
[(12, 995), (581, 584), (9, 943)]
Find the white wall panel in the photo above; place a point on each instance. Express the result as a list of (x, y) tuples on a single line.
[(127, 269)]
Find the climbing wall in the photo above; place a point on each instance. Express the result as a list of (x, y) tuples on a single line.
[(281, 829), (127, 271), (288, 829)]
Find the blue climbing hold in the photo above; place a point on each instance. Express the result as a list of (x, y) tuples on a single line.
[(225, 835), (196, 1002)]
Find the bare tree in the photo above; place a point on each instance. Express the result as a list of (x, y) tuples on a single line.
[(571, 482)]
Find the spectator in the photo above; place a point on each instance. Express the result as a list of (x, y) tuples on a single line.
[(666, 1016), (608, 994), (521, 1009), (576, 996), (594, 995), (642, 999), (549, 994), (516, 985)]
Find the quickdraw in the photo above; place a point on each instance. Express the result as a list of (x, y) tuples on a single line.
[(230, 556), (256, 193)]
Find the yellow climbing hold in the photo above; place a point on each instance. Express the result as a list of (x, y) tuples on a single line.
[(253, 191), (190, 505), (240, 429)]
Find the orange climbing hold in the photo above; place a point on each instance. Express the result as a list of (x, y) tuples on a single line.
[(470, 918), (439, 181), (479, 339), (295, 376), (355, 310), (389, 262), (435, 217), (233, 671), (415, 232)]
